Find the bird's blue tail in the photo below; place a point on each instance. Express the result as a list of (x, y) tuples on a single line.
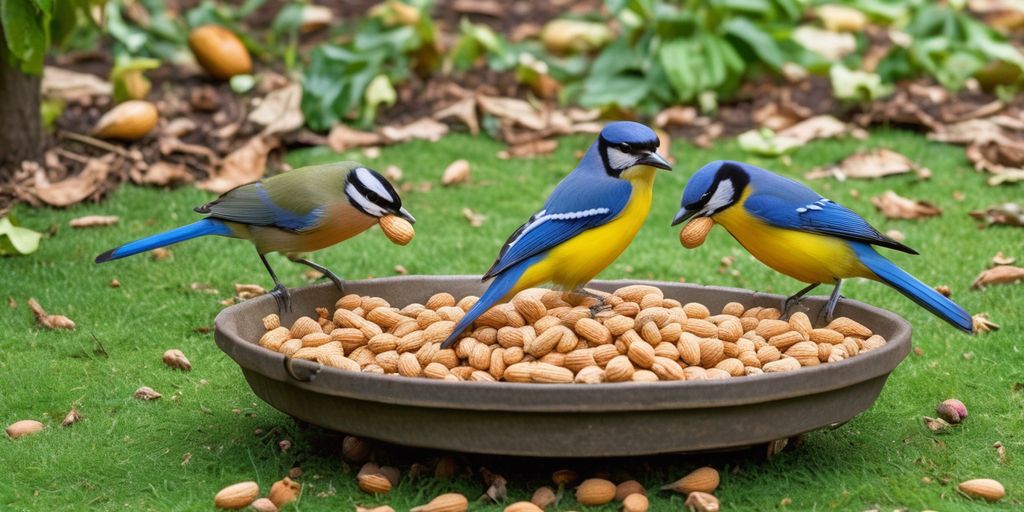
[(196, 229), (915, 290), (497, 290)]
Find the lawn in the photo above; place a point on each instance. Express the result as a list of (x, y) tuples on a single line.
[(209, 430)]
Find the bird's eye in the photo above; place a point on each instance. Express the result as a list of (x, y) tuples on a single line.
[(625, 148)]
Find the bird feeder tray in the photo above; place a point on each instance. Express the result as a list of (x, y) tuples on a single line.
[(560, 420)]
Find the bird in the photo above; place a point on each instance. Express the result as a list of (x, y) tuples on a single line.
[(586, 223), (292, 213), (794, 230)]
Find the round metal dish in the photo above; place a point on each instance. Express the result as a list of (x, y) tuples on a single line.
[(559, 420)]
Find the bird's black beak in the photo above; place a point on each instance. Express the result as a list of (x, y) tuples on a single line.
[(653, 159), (403, 213), (683, 215)]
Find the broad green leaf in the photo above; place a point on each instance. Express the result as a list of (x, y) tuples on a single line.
[(17, 240), (760, 42), (26, 30), (764, 142), (857, 85), (622, 90)]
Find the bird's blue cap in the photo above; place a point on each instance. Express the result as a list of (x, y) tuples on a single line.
[(700, 182), (631, 133)]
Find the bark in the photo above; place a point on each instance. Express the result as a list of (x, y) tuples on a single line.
[(21, 125)]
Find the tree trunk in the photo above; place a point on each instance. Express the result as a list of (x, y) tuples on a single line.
[(21, 125)]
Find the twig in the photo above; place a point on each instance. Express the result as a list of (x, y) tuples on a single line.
[(70, 155), (93, 141)]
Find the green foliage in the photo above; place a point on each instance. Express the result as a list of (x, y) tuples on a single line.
[(31, 26), (15, 239), (382, 51)]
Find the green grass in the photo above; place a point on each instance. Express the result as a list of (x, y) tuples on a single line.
[(127, 454)]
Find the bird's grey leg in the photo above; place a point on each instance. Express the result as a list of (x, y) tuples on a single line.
[(322, 269), (279, 292), (830, 307), (596, 308), (795, 299)]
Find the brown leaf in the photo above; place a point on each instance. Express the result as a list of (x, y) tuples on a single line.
[(1009, 214), (894, 206), (47, 320), (146, 393), (1000, 451), (982, 323), (463, 110), (513, 109), (393, 173), (877, 163), (169, 145), (530, 149), (1002, 259), (498, 490), (161, 174), (279, 111), (76, 188), (179, 127), (244, 165), (817, 127), (161, 254), (343, 138), (422, 129), (675, 116), (937, 425), (484, 7), (475, 219), (71, 418), (248, 291), (456, 172), (1002, 274), (71, 85), (93, 220)]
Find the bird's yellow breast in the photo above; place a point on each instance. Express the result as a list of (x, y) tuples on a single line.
[(575, 262), (808, 257)]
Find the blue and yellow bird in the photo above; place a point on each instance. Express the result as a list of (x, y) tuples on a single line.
[(586, 223), (300, 211), (797, 232)]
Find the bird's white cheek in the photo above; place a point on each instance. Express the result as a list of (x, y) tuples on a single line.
[(721, 198), (619, 160)]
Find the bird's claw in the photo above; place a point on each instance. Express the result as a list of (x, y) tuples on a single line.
[(789, 303), (599, 308), (283, 298)]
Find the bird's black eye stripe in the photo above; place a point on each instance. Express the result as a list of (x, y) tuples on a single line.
[(625, 148), (374, 197)]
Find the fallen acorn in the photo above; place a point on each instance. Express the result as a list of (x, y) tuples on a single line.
[(130, 120), (704, 479), (263, 505), (702, 502), (635, 503), (237, 496), (397, 229), (284, 491), (953, 411), (450, 502), (695, 231), (523, 506), (219, 51), (23, 428), (984, 488), (176, 359), (595, 491)]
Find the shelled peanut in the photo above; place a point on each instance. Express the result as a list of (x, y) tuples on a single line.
[(544, 336)]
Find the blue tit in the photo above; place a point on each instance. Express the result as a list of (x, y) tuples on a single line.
[(586, 223), (293, 213), (799, 233)]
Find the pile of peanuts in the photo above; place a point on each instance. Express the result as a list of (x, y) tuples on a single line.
[(544, 336)]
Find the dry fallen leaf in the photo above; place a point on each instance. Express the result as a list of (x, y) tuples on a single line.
[(1002, 259), (71, 85), (47, 320), (204, 288), (71, 418), (817, 127), (146, 393), (463, 110), (1001, 274), (176, 359), (1009, 214), (393, 173), (161, 174), (456, 172), (248, 291), (515, 110), (1000, 451), (343, 138), (422, 129), (529, 149), (937, 425), (894, 206), (93, 220), (877, 163), (675, 116), (475, 219), (76, 188), (982, 323), (161, 254), (244, 165), (279, 111)]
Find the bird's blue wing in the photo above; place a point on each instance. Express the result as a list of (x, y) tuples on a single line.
[(579, 203), (820, 216), (251, 204)]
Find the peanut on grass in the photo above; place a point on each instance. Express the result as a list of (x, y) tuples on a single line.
[(546, 337)]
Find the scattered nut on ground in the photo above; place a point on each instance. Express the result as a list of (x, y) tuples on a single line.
[(545, 336)]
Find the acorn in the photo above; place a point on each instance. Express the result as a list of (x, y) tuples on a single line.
[(219, 51), (130, 120)]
